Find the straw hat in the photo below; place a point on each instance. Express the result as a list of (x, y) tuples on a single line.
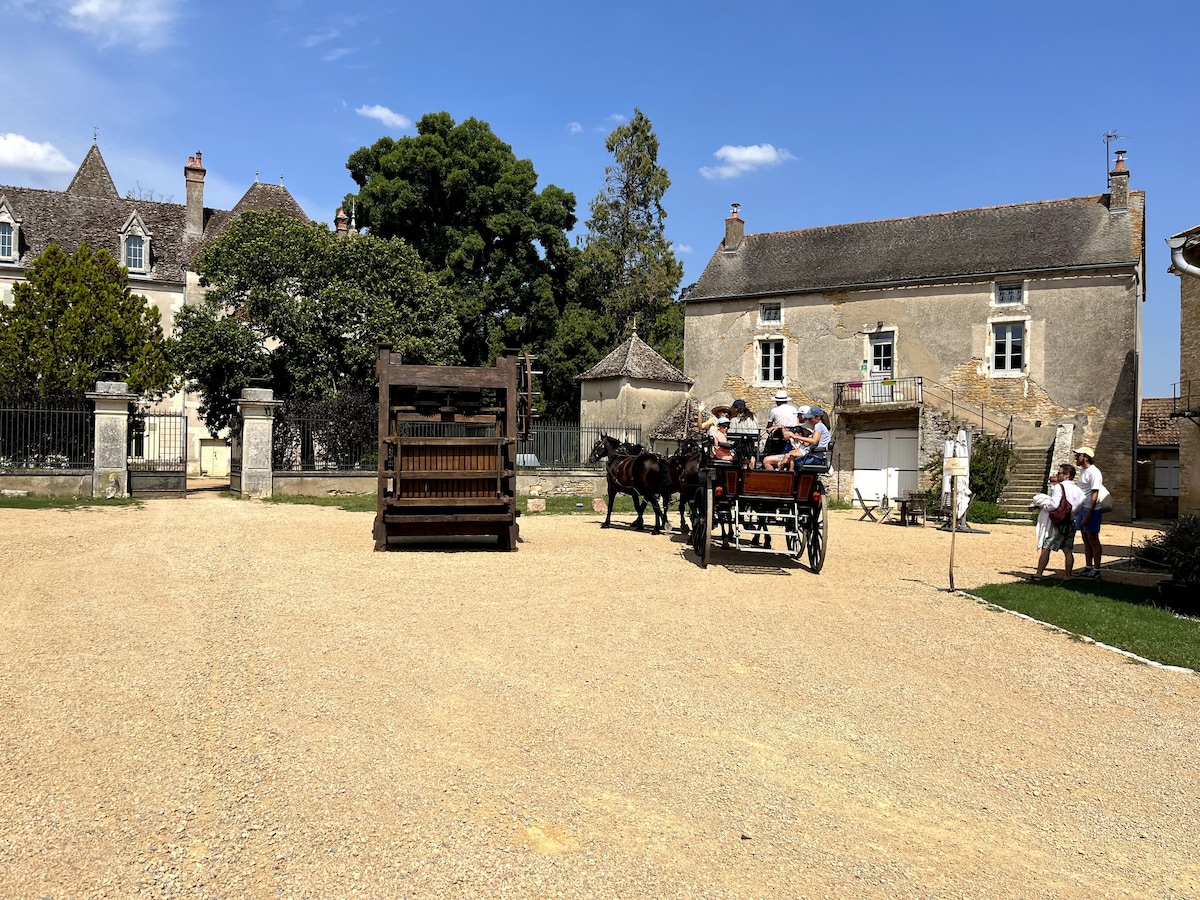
[(781, 396), (720, 411)]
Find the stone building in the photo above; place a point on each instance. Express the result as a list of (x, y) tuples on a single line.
[(155, 240), (1025, 317), (1185, 263), (632, 386)]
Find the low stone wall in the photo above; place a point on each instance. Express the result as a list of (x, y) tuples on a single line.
[(322, 484), (562, 482), (48, 482), (546, 482)]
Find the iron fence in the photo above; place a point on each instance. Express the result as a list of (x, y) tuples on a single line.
[(38, 438), (567, 445), (310, 443)]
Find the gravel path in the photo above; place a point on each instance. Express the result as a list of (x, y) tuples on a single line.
[(235, 699)]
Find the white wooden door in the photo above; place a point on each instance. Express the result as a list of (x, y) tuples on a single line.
[(885, 463), (214, 458)]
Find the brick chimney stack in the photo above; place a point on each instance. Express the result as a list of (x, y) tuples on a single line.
[(735, 230), (342, 222), (193, 177), (1118, 178)]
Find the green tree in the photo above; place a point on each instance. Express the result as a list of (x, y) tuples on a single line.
[(471, 209), (75, 318), (295, 303), (628, 264)]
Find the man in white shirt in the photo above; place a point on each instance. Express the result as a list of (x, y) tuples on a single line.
[(1090, 514)]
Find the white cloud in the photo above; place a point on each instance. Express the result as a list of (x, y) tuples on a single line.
[(736, 161), (384, 115), (313, 39), (574, 128), (146, 24), (18, 152), (336, 54), (618, 118), (681, 248)]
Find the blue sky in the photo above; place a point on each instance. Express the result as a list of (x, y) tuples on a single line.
[(806, 113)]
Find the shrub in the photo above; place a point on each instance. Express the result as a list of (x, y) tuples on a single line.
[(1178, 547), (984, 513)]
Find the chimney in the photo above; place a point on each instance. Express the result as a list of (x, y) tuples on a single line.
[(1118, 179), (193, 177), (735, 229), (342, 222)]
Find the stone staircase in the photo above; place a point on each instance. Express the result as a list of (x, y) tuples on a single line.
[(1027, 478)]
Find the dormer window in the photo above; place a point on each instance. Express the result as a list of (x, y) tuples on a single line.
[(135, 245), (1010, 293), (10, 233), (134, 253)]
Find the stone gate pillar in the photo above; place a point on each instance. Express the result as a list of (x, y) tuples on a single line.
[(110, 457), (257, 407)]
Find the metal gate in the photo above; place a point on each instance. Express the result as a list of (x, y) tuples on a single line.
[(158, 454)]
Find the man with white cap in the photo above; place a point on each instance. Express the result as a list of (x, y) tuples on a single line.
[(1088, 520), (784, 415)]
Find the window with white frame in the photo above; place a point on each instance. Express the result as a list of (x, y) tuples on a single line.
[(135, 253), (1010, 293), (6, 241), (770, 361), (1166, 478), (770, 313), (1008, 348)]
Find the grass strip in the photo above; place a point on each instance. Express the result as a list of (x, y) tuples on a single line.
[(1122, 615), (32, 502)]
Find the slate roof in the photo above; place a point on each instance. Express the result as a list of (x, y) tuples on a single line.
[(91, 210), (1025, 238), (678, 424), (635, 358), (1156, 428)]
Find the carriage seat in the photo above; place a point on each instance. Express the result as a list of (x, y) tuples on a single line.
[(820, 468)]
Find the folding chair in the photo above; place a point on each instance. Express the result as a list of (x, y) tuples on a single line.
[(868, 511)]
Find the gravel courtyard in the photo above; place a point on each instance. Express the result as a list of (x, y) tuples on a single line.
[(213, 698)]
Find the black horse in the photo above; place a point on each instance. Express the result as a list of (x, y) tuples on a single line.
[(684, 468), (644, 476)]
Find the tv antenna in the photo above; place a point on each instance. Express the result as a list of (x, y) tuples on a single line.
[(1109, 137)]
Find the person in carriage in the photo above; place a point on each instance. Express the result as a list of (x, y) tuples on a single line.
[(812, 448)]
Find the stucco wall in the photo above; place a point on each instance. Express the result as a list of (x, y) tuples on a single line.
[(633, 401), (1080, 347)]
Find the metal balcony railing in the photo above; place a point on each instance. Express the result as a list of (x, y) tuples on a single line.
[(1185, 401), (887, 390)]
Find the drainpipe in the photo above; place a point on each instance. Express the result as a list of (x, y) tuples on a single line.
[(1177, 260)]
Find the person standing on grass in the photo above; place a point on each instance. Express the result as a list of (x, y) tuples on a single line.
[(1088, 522), (1061, 536)]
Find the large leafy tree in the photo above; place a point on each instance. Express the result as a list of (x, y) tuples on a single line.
[(74, 319), (471, 209), (305, 308), (628, 265)]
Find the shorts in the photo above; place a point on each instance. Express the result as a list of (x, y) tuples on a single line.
[(1060, 537), (1093, 524)]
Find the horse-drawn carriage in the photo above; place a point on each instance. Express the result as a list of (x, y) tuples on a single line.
[(739, 505)]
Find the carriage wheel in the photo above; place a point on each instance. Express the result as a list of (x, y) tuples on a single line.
[(702, 523), (818, 537)]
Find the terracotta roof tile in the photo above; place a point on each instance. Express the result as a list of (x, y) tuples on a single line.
[(1156, 428)]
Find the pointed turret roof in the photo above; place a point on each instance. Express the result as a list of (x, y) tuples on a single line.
[(92, 179), (635, 359), (259, 197)]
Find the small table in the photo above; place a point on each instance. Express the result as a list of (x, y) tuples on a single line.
[(910, 509)]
